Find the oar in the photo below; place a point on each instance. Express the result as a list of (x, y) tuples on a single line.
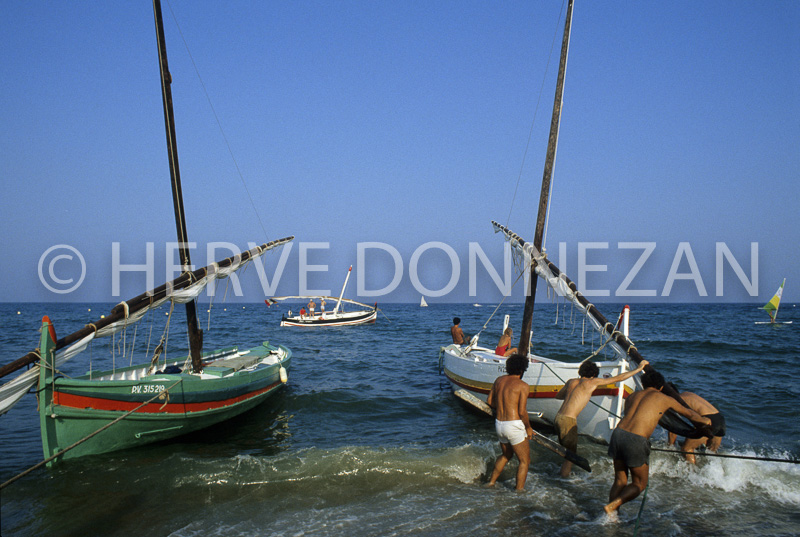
[(542, 440)]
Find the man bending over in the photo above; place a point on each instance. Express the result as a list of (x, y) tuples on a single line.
[(630, 441)]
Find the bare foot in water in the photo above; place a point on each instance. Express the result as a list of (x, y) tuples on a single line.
[(611, 508), (610, 518)]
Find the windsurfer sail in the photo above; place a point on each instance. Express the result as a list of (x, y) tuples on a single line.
[(774, 303)]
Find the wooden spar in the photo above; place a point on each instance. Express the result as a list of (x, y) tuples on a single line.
[(142, 301), (607, 328), (552, 144), (338, 302), (195, 334)]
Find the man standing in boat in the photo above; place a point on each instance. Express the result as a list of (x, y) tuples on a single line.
[(707, 410), (630, 441), (311, 307), (576, 394), (509, 399)]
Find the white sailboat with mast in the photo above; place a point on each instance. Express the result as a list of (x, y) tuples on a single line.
[(474, 368), (338, 317)]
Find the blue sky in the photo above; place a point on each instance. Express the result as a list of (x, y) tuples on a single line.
[(406, 123)]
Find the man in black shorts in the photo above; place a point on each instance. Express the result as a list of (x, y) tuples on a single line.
[(704, 408), (630, 441)]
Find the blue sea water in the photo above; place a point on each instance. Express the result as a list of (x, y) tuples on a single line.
[(367, 438)]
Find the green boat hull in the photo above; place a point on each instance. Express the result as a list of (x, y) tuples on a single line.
[(153, 407)]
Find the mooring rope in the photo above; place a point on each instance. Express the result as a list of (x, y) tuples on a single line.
[(98, 431), (707, 454), (641, 508)]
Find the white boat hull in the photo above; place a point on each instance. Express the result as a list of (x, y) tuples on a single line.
[(477, 370), (349, 318)]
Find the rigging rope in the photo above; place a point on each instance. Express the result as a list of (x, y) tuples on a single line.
[(219, 123), (521, 272), (535, 113)]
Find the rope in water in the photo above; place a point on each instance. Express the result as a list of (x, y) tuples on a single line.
[(707, 454), (644, 498), (79, 442), (641, 508)]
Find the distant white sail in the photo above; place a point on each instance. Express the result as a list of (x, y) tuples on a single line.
[(422, 303)]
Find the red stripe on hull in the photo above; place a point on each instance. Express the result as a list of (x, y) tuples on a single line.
[(82, 402)]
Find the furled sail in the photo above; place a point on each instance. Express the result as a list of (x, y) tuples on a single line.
[(182, 289), (563, 286), (616, 340)]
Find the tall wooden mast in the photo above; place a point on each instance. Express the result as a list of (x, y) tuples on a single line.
[(195, 334), (552, 143)]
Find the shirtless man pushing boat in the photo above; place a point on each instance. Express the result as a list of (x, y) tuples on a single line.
[(509, 398), (706, 409), (630, 441), (576, 394)]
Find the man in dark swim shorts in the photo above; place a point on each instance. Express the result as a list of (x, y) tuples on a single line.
[(706, 409), (632, 449), (630, 441)]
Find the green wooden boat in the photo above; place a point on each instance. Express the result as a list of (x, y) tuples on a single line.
[(145, 407), (126, 407)]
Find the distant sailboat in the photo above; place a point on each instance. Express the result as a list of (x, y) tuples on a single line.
[(422, 303), (338, 317), (772, 306)]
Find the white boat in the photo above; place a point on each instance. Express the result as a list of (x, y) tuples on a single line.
[(475, 368), (338, 317), (772, 306), (422, 303)]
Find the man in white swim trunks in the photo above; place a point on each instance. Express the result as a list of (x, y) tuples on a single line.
[(509, 399)]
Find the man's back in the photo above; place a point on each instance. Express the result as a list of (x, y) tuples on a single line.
[(457, 333), (698, 404), (577, 394), (643, 410), (510, 397)]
